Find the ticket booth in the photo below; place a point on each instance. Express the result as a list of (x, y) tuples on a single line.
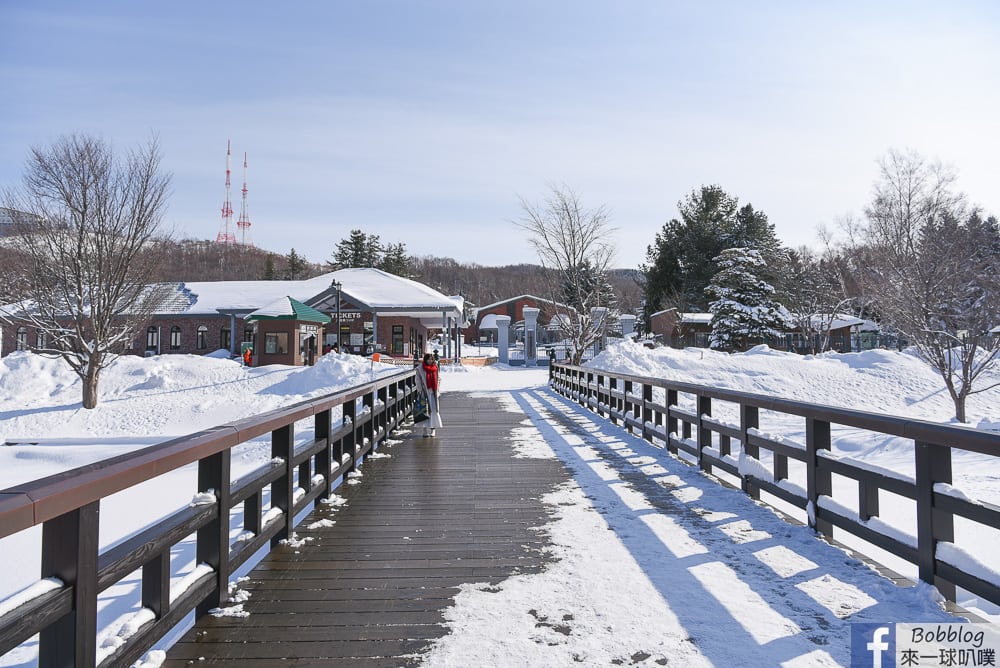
[(286, 332)]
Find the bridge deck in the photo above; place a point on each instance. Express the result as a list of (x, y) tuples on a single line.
[(371, 589)]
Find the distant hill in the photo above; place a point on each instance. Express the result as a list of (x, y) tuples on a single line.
[(203, 260)]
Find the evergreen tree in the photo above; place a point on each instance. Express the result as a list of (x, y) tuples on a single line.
[(395, 260), (584, 287), (743, 307), (682, 260), (269, 273), (358, 250), (296, 265), (373, 251), (350, 252)]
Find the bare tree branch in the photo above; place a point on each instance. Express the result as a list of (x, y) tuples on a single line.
[(88, 250)]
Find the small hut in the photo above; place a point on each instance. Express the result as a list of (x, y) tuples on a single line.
[(286, 331)]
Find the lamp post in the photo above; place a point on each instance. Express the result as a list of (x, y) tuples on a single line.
[(336, 285)]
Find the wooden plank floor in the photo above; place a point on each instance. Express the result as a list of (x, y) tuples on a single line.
[(370, 590)]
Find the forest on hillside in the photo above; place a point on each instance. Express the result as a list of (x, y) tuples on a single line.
[(202, 260)]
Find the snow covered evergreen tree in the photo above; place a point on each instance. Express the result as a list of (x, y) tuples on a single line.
[(743, 307), (682, 260)]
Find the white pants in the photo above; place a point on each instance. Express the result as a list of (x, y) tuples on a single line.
[(433, 413)]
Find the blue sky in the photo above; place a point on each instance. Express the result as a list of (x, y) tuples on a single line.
[(424, 122)]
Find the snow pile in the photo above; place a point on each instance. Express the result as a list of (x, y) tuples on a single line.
[(164, 396), (883, 381)]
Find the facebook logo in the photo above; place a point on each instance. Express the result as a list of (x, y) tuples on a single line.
[(873, 645)]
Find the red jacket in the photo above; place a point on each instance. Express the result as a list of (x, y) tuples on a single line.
[(431, 372)]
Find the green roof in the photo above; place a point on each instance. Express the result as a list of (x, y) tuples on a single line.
[(287, 308)]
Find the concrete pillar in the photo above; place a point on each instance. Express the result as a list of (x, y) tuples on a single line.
[(503, 334), (599, 316), (628, 324), (530, 335)]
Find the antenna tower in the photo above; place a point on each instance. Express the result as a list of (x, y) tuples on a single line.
[(226, 235), (244, 222)]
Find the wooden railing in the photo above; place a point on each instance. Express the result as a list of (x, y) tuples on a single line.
[(629, 401), (67, 506)]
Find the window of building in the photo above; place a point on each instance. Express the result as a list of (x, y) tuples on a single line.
[(276, 343), (226, 338), (202, 339), (397, 339), (175, 338), (40, 340), (22, 338), (152, 338)]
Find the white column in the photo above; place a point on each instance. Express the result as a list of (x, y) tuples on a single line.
[(599, 315), (530, 335), (503, 333), (628, 324)]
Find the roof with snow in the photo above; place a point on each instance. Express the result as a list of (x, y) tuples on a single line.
[(287, 308), (517, 298), (242, 297), (371, 289), (689, 318), (383, 293)]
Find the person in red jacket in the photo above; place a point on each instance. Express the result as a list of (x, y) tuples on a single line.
[(429, 382)]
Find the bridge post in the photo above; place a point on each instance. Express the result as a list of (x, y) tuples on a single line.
[(818, 482), (749, 419), (69, 552), (933, 465), (383, 415), (368, 430), (647, 411), (628, 408), (213, 538), (283, 489), (321, 428), (349, 443), (156, 584), (671, 421), (704, 408)]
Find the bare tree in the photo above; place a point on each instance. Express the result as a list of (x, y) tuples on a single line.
[(574, 243), (87, 251), (935, 271), (813, 297)]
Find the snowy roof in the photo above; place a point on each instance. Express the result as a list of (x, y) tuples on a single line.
[(838, 321), (287, 308), (372, 289), (689, 318), (381, 292), (517, 298), (213, 297)]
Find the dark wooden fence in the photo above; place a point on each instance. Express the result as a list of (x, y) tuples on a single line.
[(629, 401), (67, 506)]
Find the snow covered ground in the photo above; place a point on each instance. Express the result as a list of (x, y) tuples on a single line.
[(148, 400)]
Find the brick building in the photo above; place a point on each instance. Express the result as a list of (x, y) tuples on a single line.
[(378, 312), (483, 328)]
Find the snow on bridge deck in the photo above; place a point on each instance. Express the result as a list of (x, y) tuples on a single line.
[(547, 541)]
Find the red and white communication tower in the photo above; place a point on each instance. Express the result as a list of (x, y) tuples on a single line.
[(244, 222), (226, 235)]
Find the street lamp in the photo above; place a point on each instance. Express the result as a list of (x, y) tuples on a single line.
[(336, 285)]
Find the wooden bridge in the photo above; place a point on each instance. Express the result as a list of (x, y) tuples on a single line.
[(370, 586), (370, 590)]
